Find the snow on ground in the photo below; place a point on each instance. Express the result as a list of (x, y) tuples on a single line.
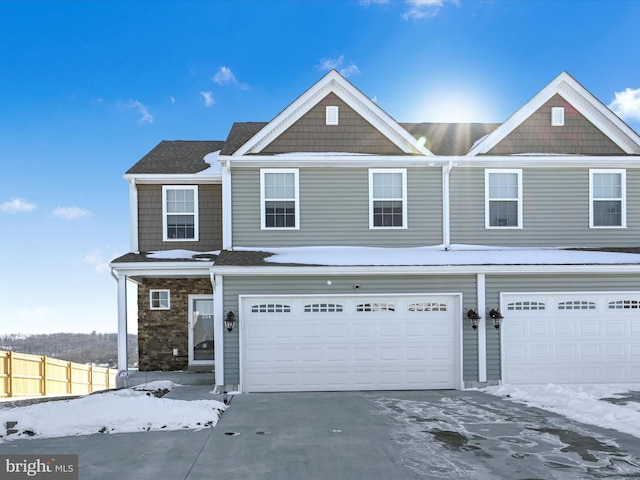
[(127, 410), (583, 403), (439, 255)]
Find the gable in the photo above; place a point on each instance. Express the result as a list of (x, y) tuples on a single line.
[(588, 116), (338, 87), (536, 134), (352, 134)]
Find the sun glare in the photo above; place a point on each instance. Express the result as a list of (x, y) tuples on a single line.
[(451, 105)]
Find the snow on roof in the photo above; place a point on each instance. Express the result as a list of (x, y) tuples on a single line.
[(181, 255), (439, 255), (214, 165), (322, 154)]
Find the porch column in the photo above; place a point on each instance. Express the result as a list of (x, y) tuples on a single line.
[(122, 323), (218, 329), (482, 328)]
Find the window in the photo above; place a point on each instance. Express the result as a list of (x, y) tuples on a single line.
[(279, 194), (159, 299), (503, 198), (557, 116), (624, 305), (376, 307), (526, 305), (388, 198), (180, 213), (271, 308), (577, 305), (323, 308), (332, 115), (427, 307), (607, 198)]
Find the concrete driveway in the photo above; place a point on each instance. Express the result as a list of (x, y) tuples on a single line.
[(357, 435)]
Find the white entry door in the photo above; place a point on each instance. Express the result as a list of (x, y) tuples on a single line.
[(350, 342), (201, 330), (570, 338)]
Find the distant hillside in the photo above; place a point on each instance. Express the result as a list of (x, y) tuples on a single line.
[(93, 348)]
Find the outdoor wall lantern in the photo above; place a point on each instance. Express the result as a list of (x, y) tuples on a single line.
[(229, 321), (496, 316), (474, 317)]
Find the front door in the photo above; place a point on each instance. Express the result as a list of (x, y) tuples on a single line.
[(201, 330)]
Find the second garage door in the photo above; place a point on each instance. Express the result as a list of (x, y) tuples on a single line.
[(353, 342), (571, 338)]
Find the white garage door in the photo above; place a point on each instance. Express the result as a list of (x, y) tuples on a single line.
[(321, 343), (571, 338)]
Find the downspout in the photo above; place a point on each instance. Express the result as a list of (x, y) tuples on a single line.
[(446, 224), (227, 240), (218, 330)]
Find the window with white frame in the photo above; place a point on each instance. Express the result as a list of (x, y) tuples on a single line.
[(557, 116), (503, 198), (180, 213), (387, 198), (607, 198), (160, 299), (279, 199)]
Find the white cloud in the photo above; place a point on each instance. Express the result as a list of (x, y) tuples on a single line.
[(423, 9), (627, 104), (349, 70), (70, 213), (224, 76), (172, 99), (17, 205), (96, 260), (335, 64), (208, 98), (143, 110), (330, 63)]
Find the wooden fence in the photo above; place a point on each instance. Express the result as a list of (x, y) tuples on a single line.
[(24, 375)]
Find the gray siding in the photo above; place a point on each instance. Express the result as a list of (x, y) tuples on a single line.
[(536, 135), (291, 285), (334, 210), (352, 134), (150, 219), (555, 210)]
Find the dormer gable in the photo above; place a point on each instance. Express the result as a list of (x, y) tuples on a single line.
[(563, 118), (333, 116)]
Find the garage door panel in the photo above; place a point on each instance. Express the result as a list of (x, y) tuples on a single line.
[(365, 345), (585, 339)]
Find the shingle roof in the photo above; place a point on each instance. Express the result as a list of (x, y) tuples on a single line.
[(450, 138), (239, 134), (442, 138), (176, 157)]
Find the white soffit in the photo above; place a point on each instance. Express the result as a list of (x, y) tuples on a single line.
[(583, 101), (333, 82)]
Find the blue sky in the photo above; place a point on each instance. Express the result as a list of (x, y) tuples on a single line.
[(87, 88)]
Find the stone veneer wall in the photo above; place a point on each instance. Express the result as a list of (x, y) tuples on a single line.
[(160, 331)]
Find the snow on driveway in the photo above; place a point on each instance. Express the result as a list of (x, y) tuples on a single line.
[(127, 410), (471, 435), (606, 406)]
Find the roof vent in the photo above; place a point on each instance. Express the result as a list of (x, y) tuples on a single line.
[(332, 115), (557, 116)]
